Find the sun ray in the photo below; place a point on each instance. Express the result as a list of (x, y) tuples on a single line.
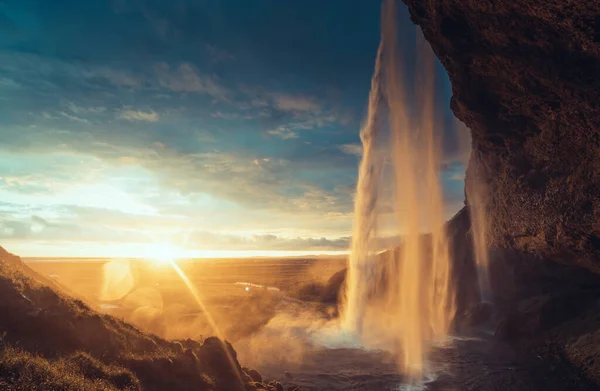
[(198, 298)]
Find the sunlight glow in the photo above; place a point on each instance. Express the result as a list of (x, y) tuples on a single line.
[(164, 253)]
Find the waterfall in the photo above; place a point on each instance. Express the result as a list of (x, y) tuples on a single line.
[(402, 149)]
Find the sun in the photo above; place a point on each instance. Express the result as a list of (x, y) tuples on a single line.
[(163, 253)]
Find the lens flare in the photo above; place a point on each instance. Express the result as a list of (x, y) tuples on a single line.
[(118, 280)]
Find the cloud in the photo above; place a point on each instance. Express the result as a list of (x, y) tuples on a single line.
[(218, 55), (47, 115), (62, 114), (116, 77), (285, 115), (283, 133), (298, 103), (226, 116), (36, 228), (73, 117), (352, 149), (186, 78), (8, 83), (208, 240), (85, 110), (138, 115)]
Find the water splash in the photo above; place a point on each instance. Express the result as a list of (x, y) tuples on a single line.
[(415, 306)]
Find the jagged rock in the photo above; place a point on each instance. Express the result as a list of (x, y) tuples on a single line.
[(255, 375), (221, 358), (525, 81), (276, 386), (246, 378)]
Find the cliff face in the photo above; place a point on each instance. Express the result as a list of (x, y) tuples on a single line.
[(526, 81)]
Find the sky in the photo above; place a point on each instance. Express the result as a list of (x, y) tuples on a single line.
[(205, 127)]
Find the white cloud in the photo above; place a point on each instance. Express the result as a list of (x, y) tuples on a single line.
[(85, 110), (352, 149), (47, 115), (73, 117), (298, 103), (226, 116), (138, 115), (283, 133)]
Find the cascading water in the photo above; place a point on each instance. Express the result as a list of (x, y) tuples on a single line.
[(476, 196), (361, 257), (415, 304)]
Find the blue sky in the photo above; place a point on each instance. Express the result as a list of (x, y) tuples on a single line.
[(208, 125)]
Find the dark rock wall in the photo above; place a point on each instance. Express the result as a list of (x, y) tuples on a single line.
[(526, 81)]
